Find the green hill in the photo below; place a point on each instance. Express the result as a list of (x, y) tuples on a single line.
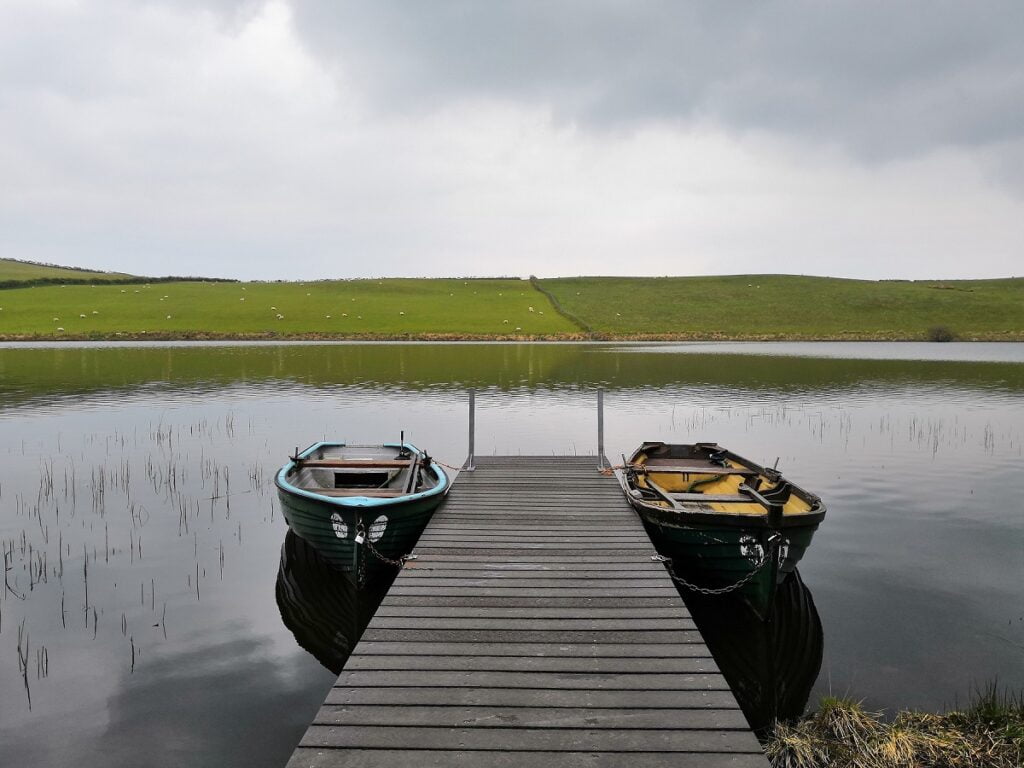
[(13, 270), (105, 305), (789, 307)]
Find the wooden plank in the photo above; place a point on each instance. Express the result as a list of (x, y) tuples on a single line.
[(325, 757), (498, 576), (521, 624), (590, 664), (566, 581), (520, 556), (530, 636), (498, 591), (533, 697), (654, 681), (520, 601), (693, 469), (355, 463), (369, 493), (453, 547), (523, 650), (527, 717), (613, 570), (531, 739), (541, 534), (598, 612)]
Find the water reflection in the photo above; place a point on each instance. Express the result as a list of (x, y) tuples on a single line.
[(770, 665), (134, 479), (322, 608), (51, 375)]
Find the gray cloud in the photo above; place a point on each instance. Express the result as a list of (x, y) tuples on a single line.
[(265, 138), (880, 79)]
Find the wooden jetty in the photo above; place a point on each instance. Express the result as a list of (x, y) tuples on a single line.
[(533, 629)]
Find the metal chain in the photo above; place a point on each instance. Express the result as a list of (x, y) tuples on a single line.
[(361, 531), (396, 563), (712, 591)]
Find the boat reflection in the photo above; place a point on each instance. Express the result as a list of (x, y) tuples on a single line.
[(771, 665), (321, 607)]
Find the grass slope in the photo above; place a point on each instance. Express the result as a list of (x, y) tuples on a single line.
[(792, 307), (14, 270), (358, 308)]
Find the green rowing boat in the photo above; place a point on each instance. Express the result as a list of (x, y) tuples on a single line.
[(362, 507)]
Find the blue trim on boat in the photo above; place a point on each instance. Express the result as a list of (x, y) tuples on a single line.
[(362, 501)]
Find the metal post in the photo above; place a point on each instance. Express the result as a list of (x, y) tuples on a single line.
[(600, 428), (468, 466)]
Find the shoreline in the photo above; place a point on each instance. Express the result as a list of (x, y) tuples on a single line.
[(1015, 336)]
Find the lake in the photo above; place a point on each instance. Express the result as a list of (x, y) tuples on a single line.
[(141, 611)]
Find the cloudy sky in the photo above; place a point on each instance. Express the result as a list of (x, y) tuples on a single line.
[(323, 138)]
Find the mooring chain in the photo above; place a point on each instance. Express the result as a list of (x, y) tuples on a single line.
[(712, 591), (365, 539)]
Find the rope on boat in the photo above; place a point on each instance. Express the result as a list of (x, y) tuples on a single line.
[(446, 466), (712, 591)]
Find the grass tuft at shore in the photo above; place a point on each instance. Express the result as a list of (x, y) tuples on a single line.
[(841, 734)]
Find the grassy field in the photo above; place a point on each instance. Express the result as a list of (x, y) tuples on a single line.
[(790, 307), (395, 308), (731, 307), (12, 269)]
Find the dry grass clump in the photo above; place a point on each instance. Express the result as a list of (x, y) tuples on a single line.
[(841, 734)]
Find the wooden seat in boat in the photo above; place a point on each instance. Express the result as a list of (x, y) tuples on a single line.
[(371, 493), (697, 469), (355, 463), (712, 497)]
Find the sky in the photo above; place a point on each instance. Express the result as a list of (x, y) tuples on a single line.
[(334, 139)]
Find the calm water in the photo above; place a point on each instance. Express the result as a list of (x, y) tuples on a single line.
[(143, 544)]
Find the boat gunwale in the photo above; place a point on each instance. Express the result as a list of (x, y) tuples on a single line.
[(283, 484), (689, 512)]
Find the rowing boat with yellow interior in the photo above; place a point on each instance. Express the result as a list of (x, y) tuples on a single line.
[(724, 522)]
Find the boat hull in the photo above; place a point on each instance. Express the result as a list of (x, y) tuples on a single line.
[(715, 556), (392, 531)]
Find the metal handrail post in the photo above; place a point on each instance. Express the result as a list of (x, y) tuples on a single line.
[(600, 428), (468, 466)]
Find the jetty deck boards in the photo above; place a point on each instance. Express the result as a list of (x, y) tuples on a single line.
[(532, 630)]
